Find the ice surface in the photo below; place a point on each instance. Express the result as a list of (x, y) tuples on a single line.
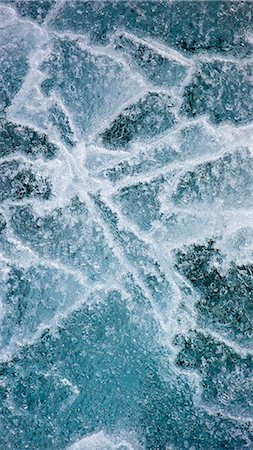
[(89, 83), (146, 119), (32, 9), (68, 234), (222, 90), (34, 296), (222, 389), (225, 302), (228, 179), (139, 202), (58, 118), (17, 42), (18, 181), (160, 69), (126, 237), (102, 441), (191, 28), (144, 162), (15, 139)]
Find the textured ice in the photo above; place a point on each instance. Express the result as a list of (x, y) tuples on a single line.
[(222, 90), (35, 9), (126, 237), (88, 83), (225, 301), (229, 389), (15, 53), (228, 179), (58, 118), (160, 69), (154, 158), (102, 441), (16, 139), (193, 141), (139, 202), (34, 296), (68, 234), (145, 119), (18, 181), (190, 28)]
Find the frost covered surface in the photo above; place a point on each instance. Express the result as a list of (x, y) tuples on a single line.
[(126, 236)]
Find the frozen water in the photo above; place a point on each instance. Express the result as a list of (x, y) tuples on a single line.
[(222, 90), (15, 139), (36, 9), (102, 441), (160, 69), (18, 181), (225, 302), (89, 83), (68, 234), (228, 178), (190, 28), (126, 237), (34, 296), (144, 120), (58, 118)]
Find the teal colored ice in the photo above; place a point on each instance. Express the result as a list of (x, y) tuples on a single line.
[(126, 236)]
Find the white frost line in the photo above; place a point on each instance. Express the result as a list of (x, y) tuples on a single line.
[(160, 318), (188, 60), (33, 161), (215, 411), (181, 166), (204, 57), (97, 150), (40, 260), (157, 47), (168, 137), (7, 353), (164, 263), (235, 347), (140, 148), (58, 6)]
